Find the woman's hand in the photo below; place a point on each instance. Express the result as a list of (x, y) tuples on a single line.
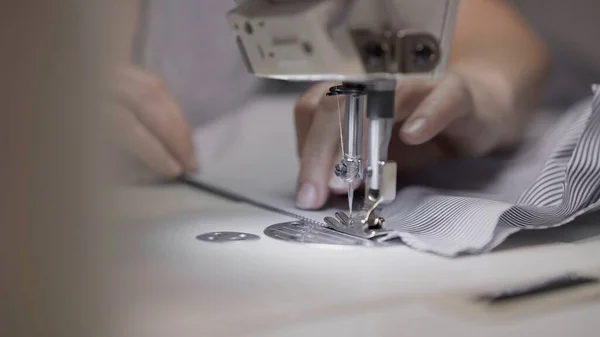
[(434, 120), (152, 124)]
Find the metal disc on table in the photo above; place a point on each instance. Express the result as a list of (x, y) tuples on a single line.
[(227, 237)]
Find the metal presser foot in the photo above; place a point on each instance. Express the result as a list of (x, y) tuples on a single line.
[(366, 224)]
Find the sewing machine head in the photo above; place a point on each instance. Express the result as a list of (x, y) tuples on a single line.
[(344, 40), (368, 46)]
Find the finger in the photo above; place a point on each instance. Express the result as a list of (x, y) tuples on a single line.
[(141, 142), (305, 109), (317, 156), (410, 158), (148, 97), (409, 94), (447, 102)]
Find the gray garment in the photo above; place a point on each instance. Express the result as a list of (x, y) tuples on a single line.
[(570, 29), (188, 43)]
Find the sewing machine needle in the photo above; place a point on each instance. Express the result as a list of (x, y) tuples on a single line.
[(350, 198)]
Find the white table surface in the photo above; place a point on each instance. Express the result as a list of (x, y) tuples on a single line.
[(170, 284)]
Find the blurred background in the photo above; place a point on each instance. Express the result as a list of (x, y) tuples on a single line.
[(56, 171)]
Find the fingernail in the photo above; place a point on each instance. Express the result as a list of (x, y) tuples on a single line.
[(336, 183), (415, 127), (173, 168), (306, 197), (194, 165)]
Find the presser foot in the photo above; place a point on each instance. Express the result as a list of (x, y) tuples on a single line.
[(366, 225)]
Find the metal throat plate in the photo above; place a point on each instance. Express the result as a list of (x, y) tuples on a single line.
[(303, 232)]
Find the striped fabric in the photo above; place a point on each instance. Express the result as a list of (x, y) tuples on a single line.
[(452, 222)]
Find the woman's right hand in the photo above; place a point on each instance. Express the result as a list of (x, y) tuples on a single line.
[(458, 115), (152, 124)]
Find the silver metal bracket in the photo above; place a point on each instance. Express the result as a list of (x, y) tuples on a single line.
[(227, 237), (386, 192), (369, 226), (405, 52)]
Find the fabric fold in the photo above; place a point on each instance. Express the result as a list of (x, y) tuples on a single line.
[(567, 187)]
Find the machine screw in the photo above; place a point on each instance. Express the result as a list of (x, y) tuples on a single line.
[(424, 54)]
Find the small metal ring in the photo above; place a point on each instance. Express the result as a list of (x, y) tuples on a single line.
[(227, 237)]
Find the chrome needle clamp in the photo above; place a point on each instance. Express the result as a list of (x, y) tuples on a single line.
[(380, 174), (351, 169)]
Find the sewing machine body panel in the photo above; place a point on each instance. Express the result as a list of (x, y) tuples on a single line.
[(341, 39)]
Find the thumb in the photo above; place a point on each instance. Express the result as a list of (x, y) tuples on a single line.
[(449, 101)]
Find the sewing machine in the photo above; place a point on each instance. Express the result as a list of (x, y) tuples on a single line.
[(367, 46)]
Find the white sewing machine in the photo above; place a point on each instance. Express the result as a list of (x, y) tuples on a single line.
[(368, 46)]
